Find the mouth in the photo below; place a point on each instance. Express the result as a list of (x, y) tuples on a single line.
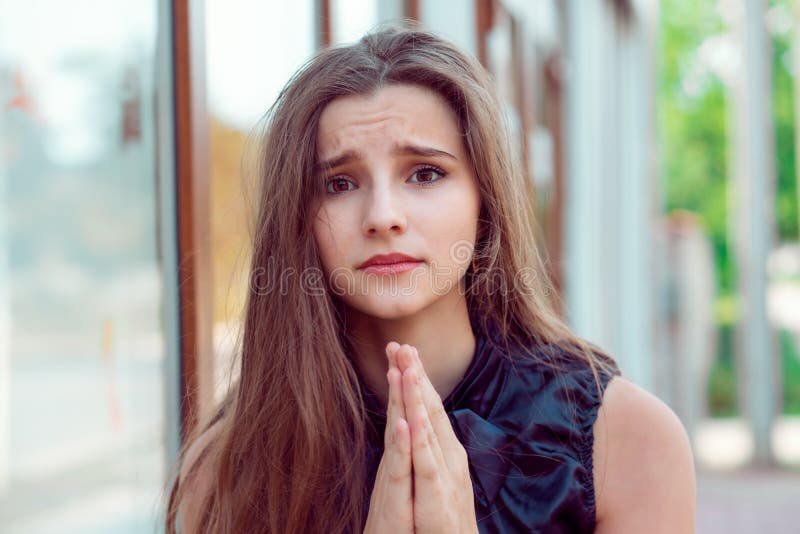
[(389, 263)]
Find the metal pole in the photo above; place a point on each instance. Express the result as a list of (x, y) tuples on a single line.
[(168, 241), (583, 121), (756, 176), (635, 200)]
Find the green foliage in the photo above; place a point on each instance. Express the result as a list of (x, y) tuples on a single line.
[(692, 119), (784, 121), (693, 129), (722, 379), (790, 360)]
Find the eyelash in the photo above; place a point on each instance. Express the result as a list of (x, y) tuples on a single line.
[(422, 168)]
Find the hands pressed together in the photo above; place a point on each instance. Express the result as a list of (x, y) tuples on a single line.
[(423, 482)]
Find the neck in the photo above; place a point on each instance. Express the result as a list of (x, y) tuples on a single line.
[(441, 333)]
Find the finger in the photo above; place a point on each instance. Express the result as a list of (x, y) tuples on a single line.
[(394, 402), (395, 408), (399, 468), (408, 357), (425, 447), (391, 352), (392, 497), (397, 481), (433, 402), (403, 356)]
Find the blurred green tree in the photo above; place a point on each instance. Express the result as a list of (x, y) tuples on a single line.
[(693, 132), (692, 123), (783, 116)]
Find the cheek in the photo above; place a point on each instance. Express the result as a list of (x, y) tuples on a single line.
[(323, 237), (331, 235), (456, 228)]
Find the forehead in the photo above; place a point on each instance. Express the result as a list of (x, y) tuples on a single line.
[(394, 113)]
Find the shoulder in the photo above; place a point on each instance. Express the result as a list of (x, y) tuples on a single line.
[(196, 476), (643, 467)]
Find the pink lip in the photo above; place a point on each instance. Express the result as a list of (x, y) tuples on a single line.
[(389, 263), (391, 268)]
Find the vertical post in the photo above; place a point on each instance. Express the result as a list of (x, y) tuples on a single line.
[(5, 337), (584, 120), (484, 20), (754, 199), (411, 9), (168, 232), (323, 18), (635, 196), (194, 269)]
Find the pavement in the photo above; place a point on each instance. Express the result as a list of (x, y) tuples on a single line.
[(734, 498), (748, 501)]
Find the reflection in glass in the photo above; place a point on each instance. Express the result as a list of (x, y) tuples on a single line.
[(81, 410), (269, 40)]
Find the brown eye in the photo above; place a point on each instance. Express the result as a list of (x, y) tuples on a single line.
[(339, 185), (428, 175)]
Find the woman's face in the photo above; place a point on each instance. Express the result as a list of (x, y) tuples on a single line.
[(401, 182)]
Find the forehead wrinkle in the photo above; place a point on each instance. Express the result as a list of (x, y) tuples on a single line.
[(374, 127), (363, 120), (360, 143), (388, 134)]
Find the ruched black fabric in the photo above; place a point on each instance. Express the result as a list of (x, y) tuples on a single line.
[(527, 430)]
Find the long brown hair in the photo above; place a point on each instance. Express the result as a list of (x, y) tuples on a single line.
[(290, 453)]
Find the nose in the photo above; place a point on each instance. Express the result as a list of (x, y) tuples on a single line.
[(384, 214)]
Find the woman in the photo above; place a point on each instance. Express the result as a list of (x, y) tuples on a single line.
[(407, 373)]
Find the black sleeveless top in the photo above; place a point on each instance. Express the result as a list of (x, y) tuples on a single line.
[(527, 430)]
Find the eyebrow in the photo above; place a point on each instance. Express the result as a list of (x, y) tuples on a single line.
[(404, 150)]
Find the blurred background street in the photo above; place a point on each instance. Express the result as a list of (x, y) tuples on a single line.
[(660, 135), (748, 501)]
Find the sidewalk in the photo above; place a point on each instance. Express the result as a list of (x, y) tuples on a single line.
[(748, 502), (733, 498)]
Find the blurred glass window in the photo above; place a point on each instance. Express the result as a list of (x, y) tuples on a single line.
[(81, 344), (252, 49)]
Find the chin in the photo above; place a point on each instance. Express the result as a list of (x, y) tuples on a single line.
[(387, 306)]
